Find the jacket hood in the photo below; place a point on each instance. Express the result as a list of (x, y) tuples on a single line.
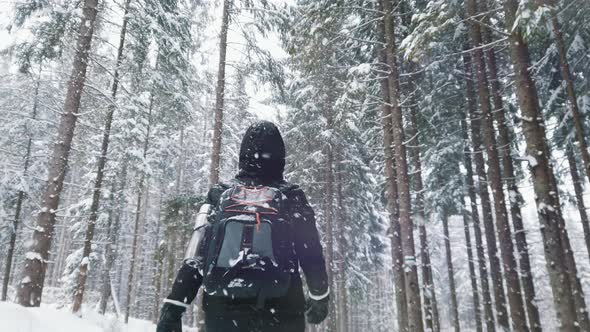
[(262, 154)]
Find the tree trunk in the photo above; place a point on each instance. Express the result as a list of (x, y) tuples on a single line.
[(31, 286), (548, 205), (137, 296), (450, 271), (395, 233), (113, 237), (483, 270), (517, 312), (342, 247), (472, 274), (159, 254), (490, 233), (137, 226), (510, 177), (403, 181), (219, 97), (102, 161), (428, 288), (19, 200), (579, 190), (570, 88), (329, 215)]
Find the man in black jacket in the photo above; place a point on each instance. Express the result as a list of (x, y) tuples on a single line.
[(262, 162)]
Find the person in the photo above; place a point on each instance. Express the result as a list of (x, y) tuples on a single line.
[(261, 165)]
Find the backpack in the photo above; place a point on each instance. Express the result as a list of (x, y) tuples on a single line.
[(249, 250)]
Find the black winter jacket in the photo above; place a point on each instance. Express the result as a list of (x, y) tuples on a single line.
[(262, 160)]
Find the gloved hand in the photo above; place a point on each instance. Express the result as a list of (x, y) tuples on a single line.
[(170, 318), (316, 311)]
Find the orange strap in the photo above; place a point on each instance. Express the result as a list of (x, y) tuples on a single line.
[(258, 222)]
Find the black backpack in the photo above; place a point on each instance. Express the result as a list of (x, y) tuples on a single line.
[(250, 246)]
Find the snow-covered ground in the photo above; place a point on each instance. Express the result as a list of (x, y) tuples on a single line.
[(14, 318)]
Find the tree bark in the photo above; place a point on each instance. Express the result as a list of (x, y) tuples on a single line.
[(472, 274), (219, 97), (113, 238), (19, 200), (395, 233), (517, 312), (329, 214), (570, 88), (428, 288), (490, 233), (403, 181), (483, 270), (159, 254), (102, 161), (31, 286), (450, 271), (548, 205), (342, 247), (579, 191), (514, 196), (137, 226)]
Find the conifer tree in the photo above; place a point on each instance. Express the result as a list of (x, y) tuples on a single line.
[(31, 286)]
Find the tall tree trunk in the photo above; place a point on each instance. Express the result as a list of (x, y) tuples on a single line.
[(102, 161), (342, 247), (137, 302), (579, 191), (483, 270), (450, 271), (472, 274), (403, 181), (329, 215), (517, 312), (570, 88), (579, 300), (395, 233), (137, 226), (428, 289), (159, 254), (113, 237), (65, 239), (219, 97), (31, 286), (490, 233), (514, 197), (548, 205), (19, 200)]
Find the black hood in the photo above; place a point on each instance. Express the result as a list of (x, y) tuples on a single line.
[(262, 154)]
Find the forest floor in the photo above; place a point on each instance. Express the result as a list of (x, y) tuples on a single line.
[(48, 318)]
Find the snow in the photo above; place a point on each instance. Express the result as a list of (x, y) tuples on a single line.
[(15, 318), (532, 161), (33, 255), (84, 261)]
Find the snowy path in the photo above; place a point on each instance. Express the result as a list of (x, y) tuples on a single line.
[(14, 318)]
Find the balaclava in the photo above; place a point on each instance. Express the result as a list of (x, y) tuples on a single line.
[(262, 154)]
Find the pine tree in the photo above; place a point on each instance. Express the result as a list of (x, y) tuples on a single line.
[(406, 225), (548, 205), (517, 312), (219, 96), (83, 273), (31, 287), (451, 272), (19, 202)]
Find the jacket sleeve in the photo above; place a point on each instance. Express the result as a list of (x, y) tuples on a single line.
[(188, 279), (307, 245), (186, 285)]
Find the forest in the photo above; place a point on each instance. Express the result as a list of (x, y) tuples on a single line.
[(443, 145)]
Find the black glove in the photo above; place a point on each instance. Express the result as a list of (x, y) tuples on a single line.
[(170, 318), (317, 311)]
